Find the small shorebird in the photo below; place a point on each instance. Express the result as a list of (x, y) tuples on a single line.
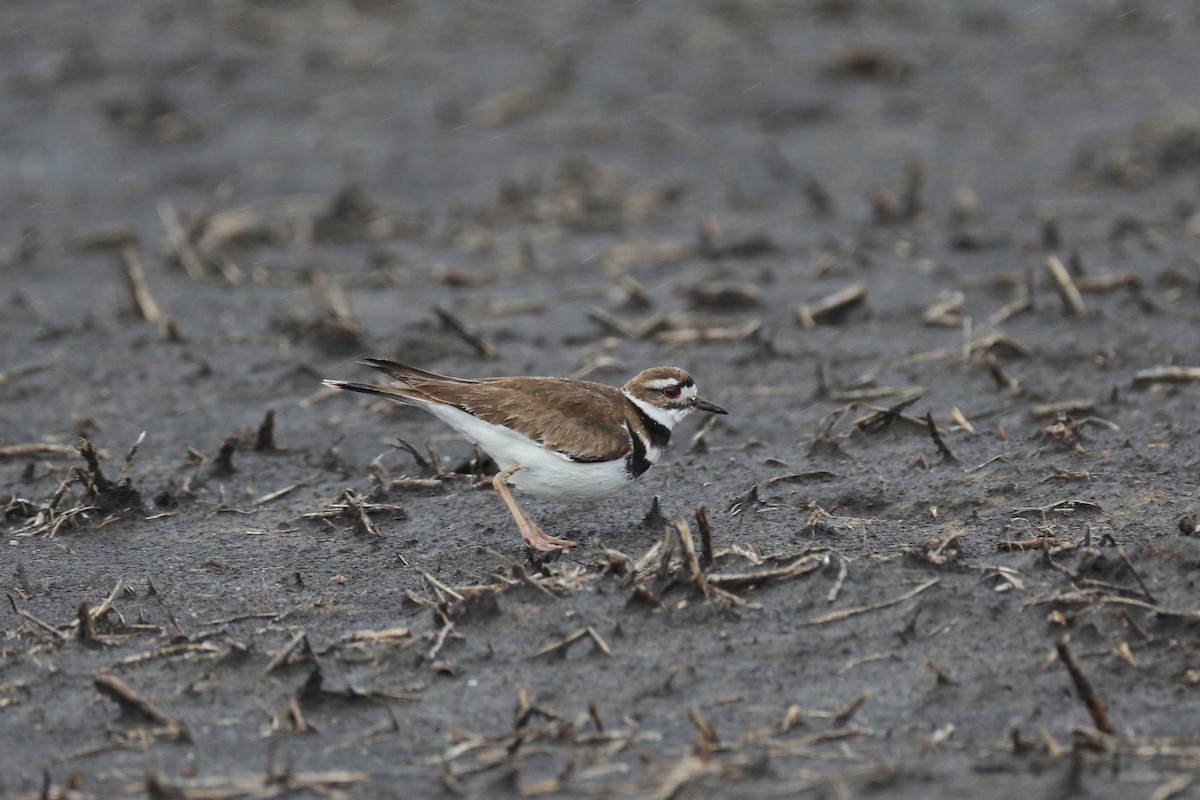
[(555, 438)]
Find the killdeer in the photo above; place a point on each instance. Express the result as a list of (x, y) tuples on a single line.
[(554, 438)]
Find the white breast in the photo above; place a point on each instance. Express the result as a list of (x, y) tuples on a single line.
[(543, 473)]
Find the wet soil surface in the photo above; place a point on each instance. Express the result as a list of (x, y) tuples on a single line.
[(938, 259)]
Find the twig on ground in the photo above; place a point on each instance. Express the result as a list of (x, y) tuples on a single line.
[(1136, 576), (278, 493), (178, 241), (830, 306), (1153, 375), (411, 449), (707, 732), (835, 590), (800, 566), (257, 787), (1095, 705), (689, 768), (846, 613), (455, 325), (883, 418), (843, 717), (282, 656), (153, 596), (1064, 284), (116, 689), (143, 300), (938, 441), (706, 542), (1077, 406), (440, 638), (37, 449), (690, 559), (46, 626), (560, 646), (362, 520), (264, 440)]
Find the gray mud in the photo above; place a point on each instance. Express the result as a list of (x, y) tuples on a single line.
[(208, 207)]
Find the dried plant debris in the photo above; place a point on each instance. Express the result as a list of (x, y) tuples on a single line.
[(207, 244), (788, 567), (257, 787), (1157, 147), (936, 550), (109, 496), (1083, 686), (354, 215), (560, 646), (264, 438), (358, 510), (335, 327), (1168, 374), (38, 449), (724, 297), (894, 209), (710, 333), (881, 419), (870, 63), (348, 217), (143, 300), (477, 343), (826, 625), (510, 106), (132, 703), (846, 613), (1062, 407), (115, 236), (1064, 284), (714, 244), (713, 574), (1065, 430), (152, 114), (831, 308), (948, 311), (1065, 507), (938, 441)]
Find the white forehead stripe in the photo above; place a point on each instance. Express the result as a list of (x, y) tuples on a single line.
[(662, 383)]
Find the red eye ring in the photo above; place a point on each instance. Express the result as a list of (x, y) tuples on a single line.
[(670, 391)]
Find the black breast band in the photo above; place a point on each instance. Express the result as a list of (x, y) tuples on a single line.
[(636, 462)]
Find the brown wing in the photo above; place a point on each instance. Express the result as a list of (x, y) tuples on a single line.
[(580, 419)]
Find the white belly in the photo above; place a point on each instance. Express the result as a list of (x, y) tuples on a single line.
[(543, 473), (572, 480)]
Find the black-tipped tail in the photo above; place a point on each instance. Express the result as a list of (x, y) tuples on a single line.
[(400, 393), (364, 388)]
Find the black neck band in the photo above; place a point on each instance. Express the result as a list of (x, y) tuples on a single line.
[(659, 434), (636, 462)]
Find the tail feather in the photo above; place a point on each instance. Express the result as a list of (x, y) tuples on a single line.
[(403, 394), (404, 372)]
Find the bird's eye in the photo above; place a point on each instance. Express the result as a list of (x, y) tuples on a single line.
[(671, 391)]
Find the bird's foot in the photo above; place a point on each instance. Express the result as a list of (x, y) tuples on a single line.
[(537, 539)]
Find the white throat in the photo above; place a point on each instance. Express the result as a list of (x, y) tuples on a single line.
[(667, 417)]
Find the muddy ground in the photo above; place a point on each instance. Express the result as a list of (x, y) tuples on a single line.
[(845, 217)]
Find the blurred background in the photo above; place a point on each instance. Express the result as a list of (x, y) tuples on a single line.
[(829, 211)]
